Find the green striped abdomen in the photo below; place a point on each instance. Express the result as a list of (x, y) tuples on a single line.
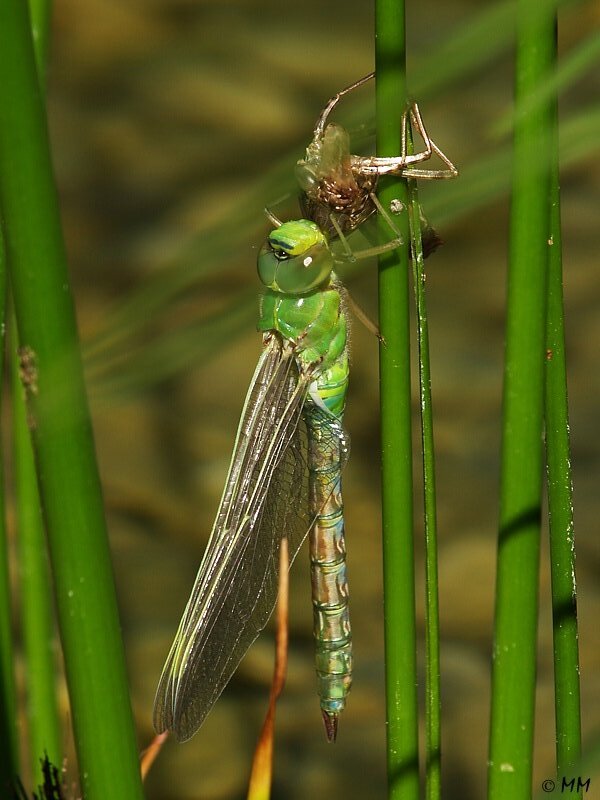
[(331, 617)]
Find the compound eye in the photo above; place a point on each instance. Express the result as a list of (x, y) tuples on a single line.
[(267, 265), (296, 258), (298, 274), (306, 271)]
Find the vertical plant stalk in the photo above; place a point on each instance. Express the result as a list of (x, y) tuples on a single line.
[(57, 405), (433, 701), (396, 444), (515, 626), (560, 505), (37, 619), (9, 751), (36, 610)]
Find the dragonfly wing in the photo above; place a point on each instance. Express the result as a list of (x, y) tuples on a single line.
[(265, 498)]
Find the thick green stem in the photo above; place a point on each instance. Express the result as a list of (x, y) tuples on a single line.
[(396, 445), (67, 471), (37, 619), (514, 667)]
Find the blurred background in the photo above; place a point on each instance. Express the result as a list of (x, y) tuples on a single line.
[(173, 124)]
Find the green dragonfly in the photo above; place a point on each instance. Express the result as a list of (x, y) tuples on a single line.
[(284, 480), (285, 475)]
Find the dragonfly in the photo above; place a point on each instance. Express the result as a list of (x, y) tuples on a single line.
[(284, 478)]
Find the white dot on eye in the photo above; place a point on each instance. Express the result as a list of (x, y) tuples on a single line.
[(307, 261)]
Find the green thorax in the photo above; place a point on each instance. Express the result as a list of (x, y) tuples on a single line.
[(315, 323)]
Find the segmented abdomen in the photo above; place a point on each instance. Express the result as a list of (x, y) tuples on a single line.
[(328, 450)]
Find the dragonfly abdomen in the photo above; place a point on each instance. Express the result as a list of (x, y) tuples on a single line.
[(331, 616), (332, 386)]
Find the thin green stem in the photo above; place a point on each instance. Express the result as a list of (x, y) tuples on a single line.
[(57, 407), (396, 446), (514, 667), (433, 701), (560, 503), (36, 612), (9, 750)]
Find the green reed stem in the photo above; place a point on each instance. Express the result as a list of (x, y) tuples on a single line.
[(9, 749), (396, 445), (37, 618), (57, 405), (560, 504), (514, 667), (433, 697), (36, 610)]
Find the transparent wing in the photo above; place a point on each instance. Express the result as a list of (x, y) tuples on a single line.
[(334, 163), (265, 498)]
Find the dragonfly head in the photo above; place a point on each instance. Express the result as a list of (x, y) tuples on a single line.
[(295, 259)]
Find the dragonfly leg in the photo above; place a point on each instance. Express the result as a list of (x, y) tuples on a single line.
[(350, 256), (271, 216), (384, 214), (430, 148), (368, 252), (322, 121), (403, 164), (275, 221), (361, 314)]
